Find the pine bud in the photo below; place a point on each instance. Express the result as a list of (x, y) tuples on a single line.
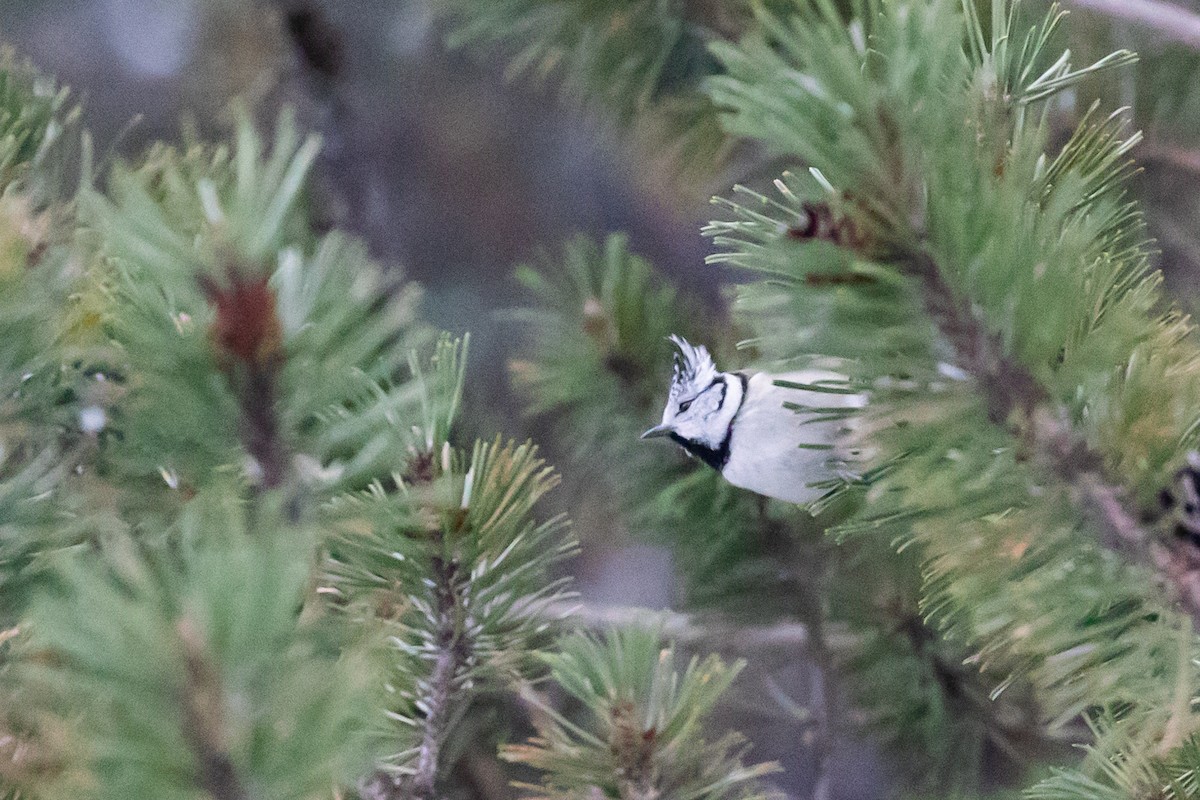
[(247, 326)]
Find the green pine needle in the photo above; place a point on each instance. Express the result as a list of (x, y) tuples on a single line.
[(642, 734)]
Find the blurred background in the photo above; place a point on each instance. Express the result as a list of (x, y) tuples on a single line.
[(454, 175)]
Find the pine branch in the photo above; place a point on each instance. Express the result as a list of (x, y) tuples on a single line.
[(191, 670), (641, 735), (248, 348), (260, 427), (230, 314), (449, 662), (602, 320), (1171, 22), (1026, 385), (202, 722), (1109, 507), (38, 131), (1010, 389), (446, 565), (843, 645), (248, 337), (446, 665)]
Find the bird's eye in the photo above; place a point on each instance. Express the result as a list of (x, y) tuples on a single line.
[(684, 406)]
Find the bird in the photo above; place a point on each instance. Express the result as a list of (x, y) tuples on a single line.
[(737, 423)]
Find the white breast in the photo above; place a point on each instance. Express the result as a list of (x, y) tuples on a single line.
[(765, 452)]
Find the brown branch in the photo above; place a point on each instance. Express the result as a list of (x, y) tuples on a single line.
[(260, 426), (1009, 387), (441, 682), (633, 748), (203, 712), (1121, 531), (1170, 22)]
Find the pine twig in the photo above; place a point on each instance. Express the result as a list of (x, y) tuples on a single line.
[(441, 683), (1168, 21), (1008, 387), (451, 657), (260, 427), (202, 721)]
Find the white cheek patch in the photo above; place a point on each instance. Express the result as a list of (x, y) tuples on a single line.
[(712, 398)]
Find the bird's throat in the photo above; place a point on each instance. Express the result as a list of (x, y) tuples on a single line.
[(715, 457)]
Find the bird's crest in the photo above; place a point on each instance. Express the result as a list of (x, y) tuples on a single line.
[(694, 368)]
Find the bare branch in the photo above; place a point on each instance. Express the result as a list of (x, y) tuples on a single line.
[(821, 696), (688, 629), (713, 631), (1170, 22)]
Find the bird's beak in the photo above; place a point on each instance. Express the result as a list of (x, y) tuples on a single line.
[(656, 431)]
